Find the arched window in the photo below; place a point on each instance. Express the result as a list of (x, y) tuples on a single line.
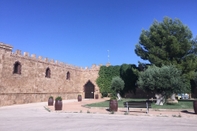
[(48, 73), (17, 68), (68, 76)]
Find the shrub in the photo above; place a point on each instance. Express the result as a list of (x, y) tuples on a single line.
[(104, 94), (117, 84), (58, 98)]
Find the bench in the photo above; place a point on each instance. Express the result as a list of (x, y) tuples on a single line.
[(138, 104)]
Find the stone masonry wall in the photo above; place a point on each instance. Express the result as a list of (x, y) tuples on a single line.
[(32, 85)]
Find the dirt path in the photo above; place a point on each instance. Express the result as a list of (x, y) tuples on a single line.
[(78, 107)]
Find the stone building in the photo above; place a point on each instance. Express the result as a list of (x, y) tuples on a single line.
[(27, 79)]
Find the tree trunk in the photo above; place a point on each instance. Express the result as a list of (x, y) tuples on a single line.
[(119, 97), (160, 99), (172, 99)]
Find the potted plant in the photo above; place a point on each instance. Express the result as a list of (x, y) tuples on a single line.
[(58, 103), (79, 98), (96, 96), (113, 103), (117, 84), (50, 101)]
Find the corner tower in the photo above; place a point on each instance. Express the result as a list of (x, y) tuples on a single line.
[(5, 51)]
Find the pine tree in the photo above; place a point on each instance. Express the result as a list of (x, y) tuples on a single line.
[(169, 42)]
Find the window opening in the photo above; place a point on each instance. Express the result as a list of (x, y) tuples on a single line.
[(17, 68), (68, 76), (48, 73)]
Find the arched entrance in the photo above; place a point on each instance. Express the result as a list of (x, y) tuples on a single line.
[(89, 90)]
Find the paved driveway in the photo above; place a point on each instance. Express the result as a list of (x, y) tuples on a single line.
[(34, 117)]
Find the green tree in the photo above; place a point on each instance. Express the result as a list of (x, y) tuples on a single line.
[(105, 77), (169, 42), (129, 77), (166, 80), (117, 84)]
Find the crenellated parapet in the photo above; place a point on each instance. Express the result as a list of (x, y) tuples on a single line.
[(5, 47), (33, 57)]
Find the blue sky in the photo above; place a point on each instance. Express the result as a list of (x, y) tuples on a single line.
[(79, 32)]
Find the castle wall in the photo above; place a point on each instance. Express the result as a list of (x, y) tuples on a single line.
[(32, 85)]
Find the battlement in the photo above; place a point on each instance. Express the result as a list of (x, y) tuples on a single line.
[(26, 55), (5, 46)]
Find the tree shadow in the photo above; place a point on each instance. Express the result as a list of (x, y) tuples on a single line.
[(108, 110), (188, 112), (133, 111)]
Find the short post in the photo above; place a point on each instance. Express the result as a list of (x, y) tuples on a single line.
[(147, 108), (127, 107)]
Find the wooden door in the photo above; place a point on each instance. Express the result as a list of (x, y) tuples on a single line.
[(89, 90)]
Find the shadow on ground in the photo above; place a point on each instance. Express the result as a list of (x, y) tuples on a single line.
[(188, 112)]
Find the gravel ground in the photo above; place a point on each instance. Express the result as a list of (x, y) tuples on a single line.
[(75, 117)]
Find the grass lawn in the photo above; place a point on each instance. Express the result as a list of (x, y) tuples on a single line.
[(179, 105), (187, 104)]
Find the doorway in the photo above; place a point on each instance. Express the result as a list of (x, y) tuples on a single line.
[(89, 90)]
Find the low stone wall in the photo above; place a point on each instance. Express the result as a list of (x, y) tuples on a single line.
[(22, 98)]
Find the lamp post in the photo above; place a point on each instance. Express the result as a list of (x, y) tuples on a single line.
[(108, 56)]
